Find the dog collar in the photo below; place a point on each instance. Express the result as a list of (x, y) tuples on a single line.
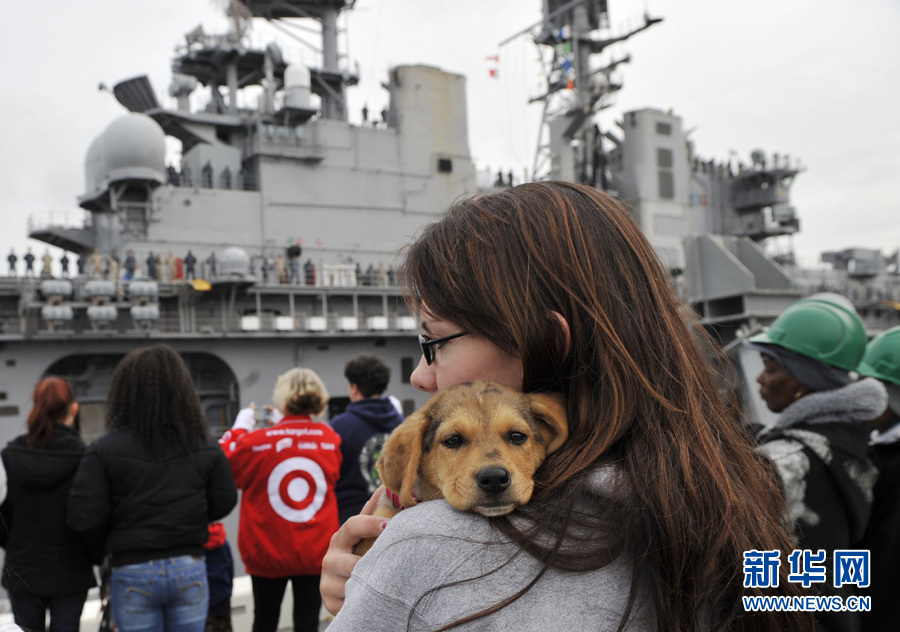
[(395, 499)]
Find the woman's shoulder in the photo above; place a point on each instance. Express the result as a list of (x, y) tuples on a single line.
[(112, 441), (438, 516), (433, 529), (423, 546), (443, 564), (18, 443)]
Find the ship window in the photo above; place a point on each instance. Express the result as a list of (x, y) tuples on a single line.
[(9, 411), (406, 369), (666, 185), (445, 165), (664, 129), (11, 362), (664, 157), (2, 395), (409, 407)]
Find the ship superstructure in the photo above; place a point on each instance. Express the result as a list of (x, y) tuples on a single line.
[(269, 240), (274, 233), (712, 221)]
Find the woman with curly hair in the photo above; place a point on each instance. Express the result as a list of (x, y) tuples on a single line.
[(148, 490)]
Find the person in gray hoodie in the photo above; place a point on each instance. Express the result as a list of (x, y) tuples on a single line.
[(640, 520)]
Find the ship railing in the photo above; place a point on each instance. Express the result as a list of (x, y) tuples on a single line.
[(42, 220), (298, 141), (332, 323), (178, 308), (322, 275)]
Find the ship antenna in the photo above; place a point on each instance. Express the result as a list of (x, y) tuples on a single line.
[(239, 14), (570, 142)]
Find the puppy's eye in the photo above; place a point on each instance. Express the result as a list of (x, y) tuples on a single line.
[(517, 438), (455, 441)]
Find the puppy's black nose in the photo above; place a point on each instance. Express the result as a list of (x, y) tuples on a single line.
[(493, 480)]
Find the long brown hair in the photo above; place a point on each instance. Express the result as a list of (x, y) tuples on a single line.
[(691, 494), (53, 400), (152, 395)]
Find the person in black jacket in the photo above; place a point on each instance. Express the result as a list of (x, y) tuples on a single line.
[(47, 565), (149, 489), (882, 362)]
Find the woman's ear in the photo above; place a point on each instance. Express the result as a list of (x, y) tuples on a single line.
[(564, 331)]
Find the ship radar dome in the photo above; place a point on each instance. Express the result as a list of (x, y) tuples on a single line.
[(296, 86), (134, 147), (94, 167), (234, 261)]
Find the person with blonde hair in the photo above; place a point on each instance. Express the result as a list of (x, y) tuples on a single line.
[(288, 510)]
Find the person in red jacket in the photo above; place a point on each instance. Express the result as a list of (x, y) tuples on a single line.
[(288, 509)]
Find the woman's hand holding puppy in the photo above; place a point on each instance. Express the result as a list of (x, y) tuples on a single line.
[(340, 560)]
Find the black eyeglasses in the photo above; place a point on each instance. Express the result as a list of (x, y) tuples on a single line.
[(427, 344)]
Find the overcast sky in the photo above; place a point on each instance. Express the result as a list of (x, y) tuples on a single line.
[(816, 79)]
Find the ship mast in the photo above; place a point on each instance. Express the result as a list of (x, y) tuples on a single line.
[(329, 81), (570, 142)]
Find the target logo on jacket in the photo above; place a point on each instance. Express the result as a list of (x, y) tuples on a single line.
[(297, 488)]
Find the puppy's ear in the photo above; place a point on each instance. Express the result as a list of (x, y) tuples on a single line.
[(550, 408), (398, 465)]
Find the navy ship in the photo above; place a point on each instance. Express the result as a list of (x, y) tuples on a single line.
[(271, 240), (270, 243)]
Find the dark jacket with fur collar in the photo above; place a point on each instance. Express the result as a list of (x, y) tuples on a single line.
[(819, 445)]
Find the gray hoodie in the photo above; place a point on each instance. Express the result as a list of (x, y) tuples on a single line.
[(433, 544)]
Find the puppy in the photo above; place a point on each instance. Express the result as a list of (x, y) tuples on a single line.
[(475, 444)]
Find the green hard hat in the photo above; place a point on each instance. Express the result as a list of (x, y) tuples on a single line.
[(819, 329), (882, 357)]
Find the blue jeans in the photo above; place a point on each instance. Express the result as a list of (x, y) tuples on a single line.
[(170, 594), (30, 611)]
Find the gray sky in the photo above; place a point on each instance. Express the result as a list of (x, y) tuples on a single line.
[(816, 79)]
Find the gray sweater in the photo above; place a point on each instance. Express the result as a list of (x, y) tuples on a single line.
[(433, 544)]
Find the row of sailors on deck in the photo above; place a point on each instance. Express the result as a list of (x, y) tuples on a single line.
[(281, 269)]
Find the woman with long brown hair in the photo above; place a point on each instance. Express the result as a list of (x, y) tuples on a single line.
[(47, 566), (642, 518)]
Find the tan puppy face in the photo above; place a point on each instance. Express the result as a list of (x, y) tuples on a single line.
[(476, 444)]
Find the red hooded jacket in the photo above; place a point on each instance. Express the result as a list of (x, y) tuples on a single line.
[(288, 508)]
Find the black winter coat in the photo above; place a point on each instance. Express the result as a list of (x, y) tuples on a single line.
[(146, 507), (883, 540), (42, 554)]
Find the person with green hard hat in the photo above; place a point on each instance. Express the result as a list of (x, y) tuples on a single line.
[(819, 442), (882, 362)]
